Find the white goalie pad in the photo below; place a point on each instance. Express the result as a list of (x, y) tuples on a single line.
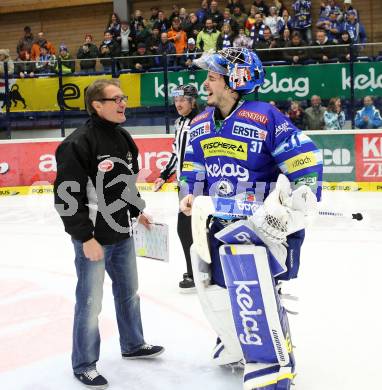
[(216, 306)]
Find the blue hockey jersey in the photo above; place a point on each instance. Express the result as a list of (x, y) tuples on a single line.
[(245, 153)]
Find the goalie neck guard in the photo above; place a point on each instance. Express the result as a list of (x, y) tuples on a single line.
[(242, 67)]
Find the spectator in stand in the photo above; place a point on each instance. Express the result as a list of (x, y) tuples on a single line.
[(285, 22), (261, 7), (153, 18), (153, 41), (268, 42), (139, 61), (183, 16), (228, 19), (314, 115), (272, 21), (24, 67), (343, 52), (355, 29), (257, 31), (88, 54), (302, 19), (162, 22), (331, 26), (194, 27), (174, 13), (190, 53), (201, 13), (225, 38), (369, 116), (125, 41), (280, 7), (214, 14), (235, 3), (323, 51), (67, 63), (114, 25), (296, 114), (283, 41), (334, 117), (178, 37), (108, 49), (346, 7), (239, 17), (297, 55), (251, 19), (26, 41), (5, 57), (46, 62), (135, 21), (168, 48), (207, 38), (242, 40), (330, 6), (41, 41), (142, 35)]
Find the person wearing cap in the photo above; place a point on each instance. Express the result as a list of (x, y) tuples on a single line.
[(185, 103), (140, 60), (88, 54), (190, 53), (355, 29), (242, 152), (67, 62), (346, 7)]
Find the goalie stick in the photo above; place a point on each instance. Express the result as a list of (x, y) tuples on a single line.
[(337, 214)]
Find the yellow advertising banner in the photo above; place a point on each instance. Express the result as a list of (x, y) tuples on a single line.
[(41, 94)]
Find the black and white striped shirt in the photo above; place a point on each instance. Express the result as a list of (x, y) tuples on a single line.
[(174, 165)]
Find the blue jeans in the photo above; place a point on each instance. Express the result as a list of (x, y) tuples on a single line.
[(120, 263)]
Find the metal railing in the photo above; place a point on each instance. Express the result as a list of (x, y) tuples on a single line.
[(167, 65)]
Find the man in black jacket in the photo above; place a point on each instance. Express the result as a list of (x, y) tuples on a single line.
[(96, 197)]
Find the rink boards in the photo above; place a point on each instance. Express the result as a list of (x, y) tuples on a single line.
[(352, 162)]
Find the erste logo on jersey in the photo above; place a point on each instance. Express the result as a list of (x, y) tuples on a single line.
[(254, 116), (200, 117), (106, 166), (249, 131), (219, 146), (199, 130)]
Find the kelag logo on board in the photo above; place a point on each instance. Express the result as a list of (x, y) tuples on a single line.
[(369, 157)]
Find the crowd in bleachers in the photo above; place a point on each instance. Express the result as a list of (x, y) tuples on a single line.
[(184, 34), (138, 44)]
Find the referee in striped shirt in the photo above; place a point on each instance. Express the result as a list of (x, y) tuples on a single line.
[(185, 103)]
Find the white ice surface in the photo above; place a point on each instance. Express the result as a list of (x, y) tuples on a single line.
[(336, 334)]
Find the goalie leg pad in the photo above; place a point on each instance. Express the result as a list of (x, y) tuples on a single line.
[(256, 307), (267, 377), (216, 305)]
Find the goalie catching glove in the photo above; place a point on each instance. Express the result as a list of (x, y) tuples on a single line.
[(284, 211)]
